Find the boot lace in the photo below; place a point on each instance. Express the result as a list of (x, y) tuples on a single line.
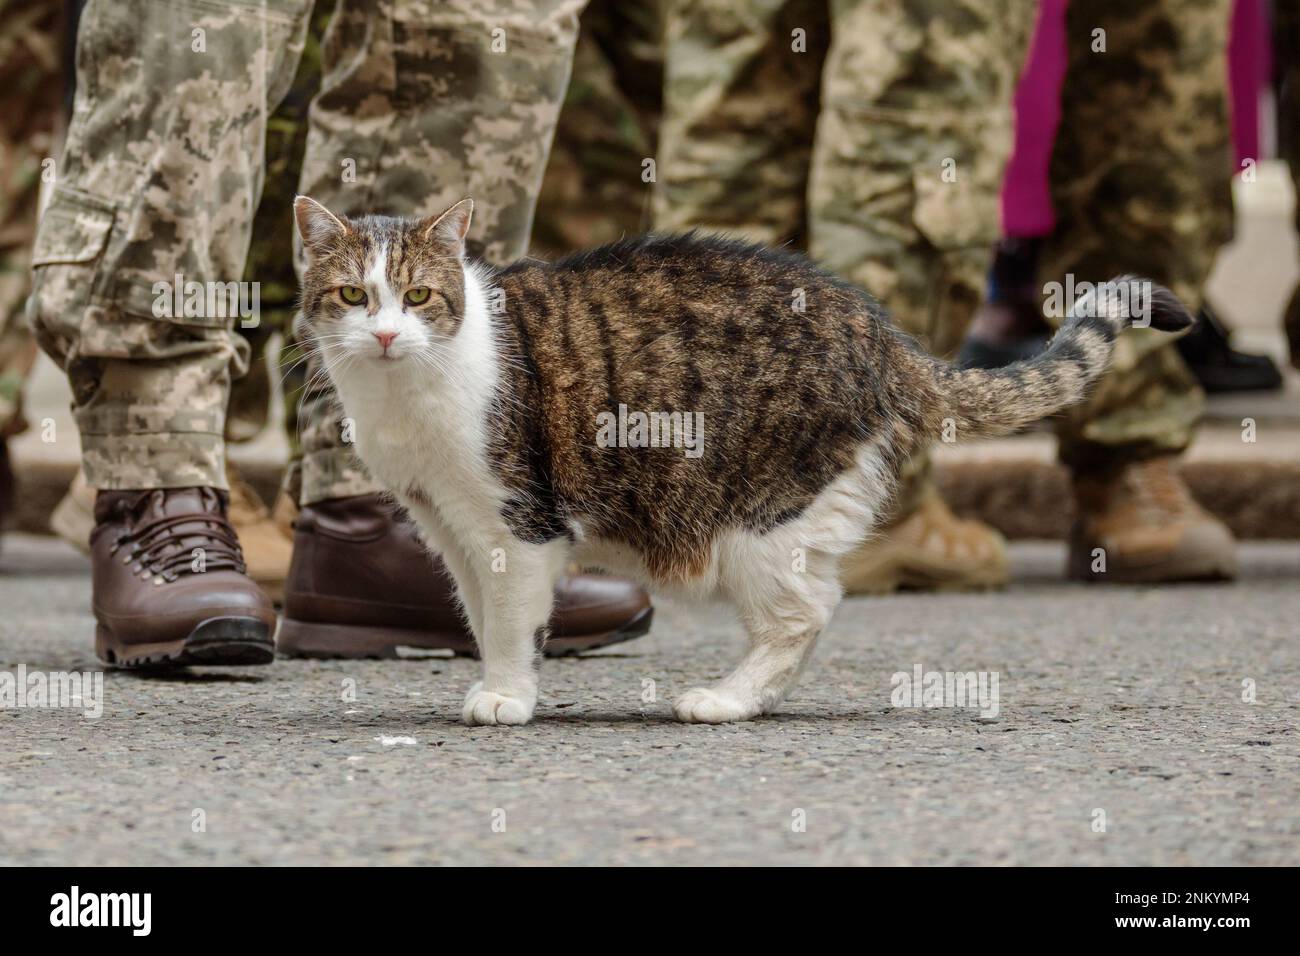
[(1160, 492), (160, 548)]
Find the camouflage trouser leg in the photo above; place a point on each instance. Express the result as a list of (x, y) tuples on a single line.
[(914, 133), (159, 178), (17, 355), (740, 104), (31, 90), (1140, 185), (270, 253), (17, 347), (422, 104), (597, 188)]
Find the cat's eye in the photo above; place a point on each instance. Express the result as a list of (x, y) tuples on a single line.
[(352, 295), (417, 296)]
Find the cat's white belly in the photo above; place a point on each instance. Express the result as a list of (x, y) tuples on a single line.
[(421, 452), (617, 558), (741, 561)]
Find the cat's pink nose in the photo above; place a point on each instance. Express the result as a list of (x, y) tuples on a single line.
[(385, 338)]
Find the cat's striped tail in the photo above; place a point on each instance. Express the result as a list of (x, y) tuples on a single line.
[(978, 403)]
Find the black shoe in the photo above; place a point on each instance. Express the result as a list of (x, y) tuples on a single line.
[(1008, 326), (1218, 366)]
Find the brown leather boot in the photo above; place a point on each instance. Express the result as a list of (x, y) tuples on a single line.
[(170, 585), (1140, 524), (362, 585), (266, 542)]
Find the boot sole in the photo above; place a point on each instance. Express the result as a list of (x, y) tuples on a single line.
[(1194, 568), (917, 572), (218, 641), (359, 642), (1203, 556)]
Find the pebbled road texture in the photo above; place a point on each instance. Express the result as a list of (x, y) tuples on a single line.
[(1127, 701)]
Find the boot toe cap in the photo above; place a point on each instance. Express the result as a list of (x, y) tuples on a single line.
[(587, 603)]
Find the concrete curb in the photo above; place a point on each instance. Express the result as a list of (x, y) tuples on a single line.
[(1021, 497)]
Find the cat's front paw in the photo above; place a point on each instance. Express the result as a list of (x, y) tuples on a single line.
[(486, 707), (705, 705)]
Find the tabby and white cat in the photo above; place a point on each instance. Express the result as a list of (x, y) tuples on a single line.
[(477, 397)]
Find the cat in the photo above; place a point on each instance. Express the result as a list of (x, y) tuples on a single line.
[(486, 401)]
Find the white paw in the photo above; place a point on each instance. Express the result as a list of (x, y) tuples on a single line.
[(704, 705), (486, 707)]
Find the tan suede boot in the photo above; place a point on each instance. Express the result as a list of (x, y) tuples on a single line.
[(1141, 525), (284, 513), (73, 518), (267, 549), (929, 549)]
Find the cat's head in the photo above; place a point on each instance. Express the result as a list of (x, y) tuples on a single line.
[(381, 291)]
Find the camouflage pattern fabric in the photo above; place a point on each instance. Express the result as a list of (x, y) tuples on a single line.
[(914, 132), (159, 177), (741, 92), (590, 193), (1141, 185), (30, 112), (270, 256), (883, 148), (597, 187), (422, 104), (906, 161)]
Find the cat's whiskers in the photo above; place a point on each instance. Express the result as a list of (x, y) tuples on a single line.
[(321, 378), (308, 353)]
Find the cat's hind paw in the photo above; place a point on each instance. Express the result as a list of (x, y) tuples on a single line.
[(486, 707), (706, 705)]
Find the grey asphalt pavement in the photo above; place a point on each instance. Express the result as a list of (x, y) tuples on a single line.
[(1134, 726)]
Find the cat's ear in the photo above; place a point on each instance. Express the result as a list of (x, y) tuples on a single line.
[(316, 224), (451, 227)]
